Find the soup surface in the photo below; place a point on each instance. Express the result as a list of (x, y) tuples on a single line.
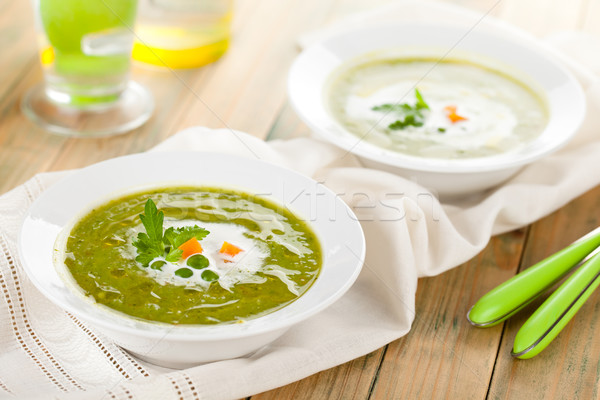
[(249, 256), (436, 109)]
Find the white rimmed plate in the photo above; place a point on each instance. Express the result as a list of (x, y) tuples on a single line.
[(520, 56), (339, 233)]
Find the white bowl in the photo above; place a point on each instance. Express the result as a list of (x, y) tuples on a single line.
[(340, 235), (524, 59)]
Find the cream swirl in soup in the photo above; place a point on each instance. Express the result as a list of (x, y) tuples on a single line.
[(436, 109)]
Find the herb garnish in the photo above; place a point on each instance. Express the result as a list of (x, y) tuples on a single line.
[(409, 115), (154, 243)]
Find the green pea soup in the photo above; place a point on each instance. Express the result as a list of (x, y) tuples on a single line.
[(279, 258)]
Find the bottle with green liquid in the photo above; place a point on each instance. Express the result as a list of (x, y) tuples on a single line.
[(86, 49)]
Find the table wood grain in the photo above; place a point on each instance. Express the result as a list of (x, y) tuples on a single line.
[(442, 356)]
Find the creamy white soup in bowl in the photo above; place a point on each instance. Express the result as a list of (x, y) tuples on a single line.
[(458, 112)]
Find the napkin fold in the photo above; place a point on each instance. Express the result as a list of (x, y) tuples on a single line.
[(47, 352)]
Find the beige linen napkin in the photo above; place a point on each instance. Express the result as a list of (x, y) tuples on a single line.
[(47, 353)]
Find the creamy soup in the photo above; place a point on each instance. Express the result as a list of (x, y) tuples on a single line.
[(192, 255), (427, 108)]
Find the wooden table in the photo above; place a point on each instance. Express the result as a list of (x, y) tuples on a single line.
[(442, 356)]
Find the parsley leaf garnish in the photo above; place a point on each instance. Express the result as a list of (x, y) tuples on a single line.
[(409, 115), (150, 245), (153, 221), (176, 237), (421, 104), (154, 243)]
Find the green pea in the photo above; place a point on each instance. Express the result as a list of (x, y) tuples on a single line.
[(184, 272), (158, 265), (209, 276), (197, 261)]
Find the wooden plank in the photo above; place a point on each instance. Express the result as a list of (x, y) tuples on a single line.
[(352, 380), (165, 87), (172, 98), (444, 356), (25, 148), (228, 92), (570, 367), (250, 87), (18, 44), (176, 94)]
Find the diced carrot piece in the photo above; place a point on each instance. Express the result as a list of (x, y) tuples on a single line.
[(452, 115), (456, 118), (191, 247), (230, 249)]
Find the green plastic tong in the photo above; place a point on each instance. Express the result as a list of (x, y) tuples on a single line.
[(551, 317)]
